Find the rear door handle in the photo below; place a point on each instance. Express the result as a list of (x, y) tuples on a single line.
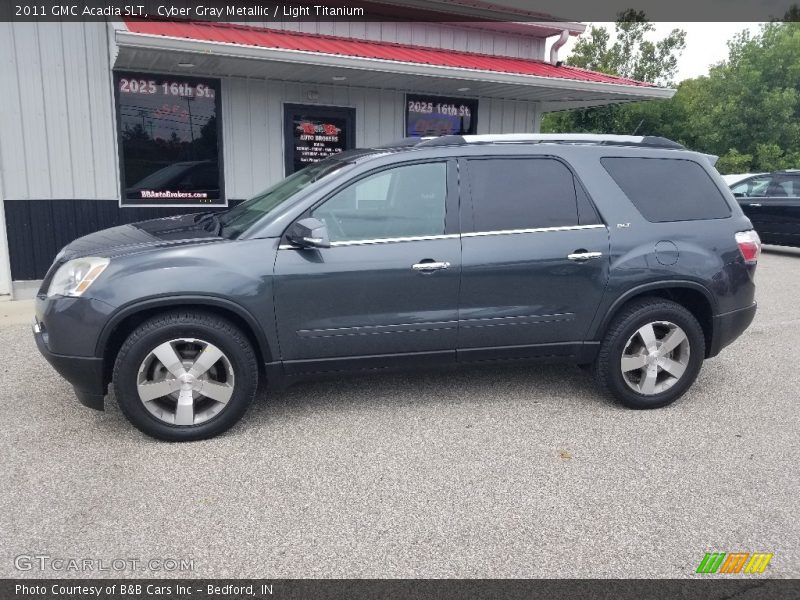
[(427, 267), (583, 255), (755, 205)]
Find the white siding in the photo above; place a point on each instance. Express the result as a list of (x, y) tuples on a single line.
[(56, 112), (430, 35), (58, 128), (252, 123)]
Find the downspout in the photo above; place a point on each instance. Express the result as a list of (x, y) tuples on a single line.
[(562, 39)]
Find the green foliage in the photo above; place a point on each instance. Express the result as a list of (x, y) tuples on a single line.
[(735, 162), (630, 54), (747, 110)]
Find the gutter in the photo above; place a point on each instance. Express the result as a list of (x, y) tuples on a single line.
[(562, 39)]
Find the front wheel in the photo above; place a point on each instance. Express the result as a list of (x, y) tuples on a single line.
[(185, 376), (651, 354)]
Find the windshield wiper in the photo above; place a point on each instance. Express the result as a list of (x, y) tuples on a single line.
[(210, 222)]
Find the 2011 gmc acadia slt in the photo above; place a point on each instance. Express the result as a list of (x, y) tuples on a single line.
[(626, 255)]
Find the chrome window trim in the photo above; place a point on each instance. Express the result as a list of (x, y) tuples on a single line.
[(449, 236), (419, 238), (532, 230)]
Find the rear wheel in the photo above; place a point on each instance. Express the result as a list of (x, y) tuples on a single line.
[(185, 376), (651, 354)]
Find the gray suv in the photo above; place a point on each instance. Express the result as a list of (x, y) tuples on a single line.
[(625, 255)]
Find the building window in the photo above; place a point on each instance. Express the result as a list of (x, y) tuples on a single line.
[(169, 140), (436, 115), (313, 133)]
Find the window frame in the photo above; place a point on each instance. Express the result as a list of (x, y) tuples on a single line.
[(222, 201), (468, 207), (451, 214)]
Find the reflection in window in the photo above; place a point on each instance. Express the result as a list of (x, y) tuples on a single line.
[(169, 142), (407, 201), (753, 187)]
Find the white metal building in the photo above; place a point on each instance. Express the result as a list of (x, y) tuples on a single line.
[(103, 123)]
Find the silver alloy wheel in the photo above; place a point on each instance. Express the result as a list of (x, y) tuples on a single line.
[(185, 381), (655, 357)]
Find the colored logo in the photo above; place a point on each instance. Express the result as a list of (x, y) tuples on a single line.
[(734, 562)]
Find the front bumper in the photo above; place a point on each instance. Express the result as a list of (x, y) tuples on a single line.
[(66, 332), (84, 373), (729, 326)]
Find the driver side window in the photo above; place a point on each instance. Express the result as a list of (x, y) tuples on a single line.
[(406, 201), (752, 188)]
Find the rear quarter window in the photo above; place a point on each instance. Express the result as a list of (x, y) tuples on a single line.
[(668, 189)]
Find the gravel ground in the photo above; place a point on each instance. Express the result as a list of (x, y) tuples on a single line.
[(498, 472)]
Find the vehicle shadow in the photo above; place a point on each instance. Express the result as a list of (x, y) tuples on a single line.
[(546, 384), (781, 250)]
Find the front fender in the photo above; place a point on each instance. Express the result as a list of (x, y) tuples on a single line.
[(235, 277), (175, 300)]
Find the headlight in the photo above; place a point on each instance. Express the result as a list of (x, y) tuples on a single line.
[(74, 277)]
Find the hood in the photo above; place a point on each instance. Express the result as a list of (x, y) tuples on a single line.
[(139, 237)]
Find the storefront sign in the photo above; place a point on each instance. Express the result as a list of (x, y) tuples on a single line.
[(315, 133), (169, 140), (436, 115)]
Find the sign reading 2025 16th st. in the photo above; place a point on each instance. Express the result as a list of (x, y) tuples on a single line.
[(169, 140), (437, 115)]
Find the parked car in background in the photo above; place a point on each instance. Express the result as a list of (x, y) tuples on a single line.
[(624, 254), (737, 177), (772, 202)]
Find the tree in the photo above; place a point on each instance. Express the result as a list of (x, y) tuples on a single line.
[(749, 104), (746, 111), (628, 55)]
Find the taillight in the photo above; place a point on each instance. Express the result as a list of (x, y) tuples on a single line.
[(749, 245)]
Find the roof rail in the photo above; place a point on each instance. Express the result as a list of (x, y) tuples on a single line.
[(648, 141), (575, 138)]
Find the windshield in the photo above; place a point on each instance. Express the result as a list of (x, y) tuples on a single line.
[(239, 219)]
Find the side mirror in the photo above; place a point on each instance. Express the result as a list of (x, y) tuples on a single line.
[(309, 233)]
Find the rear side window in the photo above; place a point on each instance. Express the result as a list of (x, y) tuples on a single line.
[(521, 193), (668, 189)]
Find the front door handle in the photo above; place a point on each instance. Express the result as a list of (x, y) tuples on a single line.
[(583, 255), (430, 266), (755, 205)]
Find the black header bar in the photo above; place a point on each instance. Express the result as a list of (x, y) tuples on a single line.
[(260, 12), (742, 588)]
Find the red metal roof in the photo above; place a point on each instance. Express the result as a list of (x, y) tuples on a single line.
[(270, 38)]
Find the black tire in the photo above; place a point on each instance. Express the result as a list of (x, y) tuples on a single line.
[(607, 367), (185, 324)]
